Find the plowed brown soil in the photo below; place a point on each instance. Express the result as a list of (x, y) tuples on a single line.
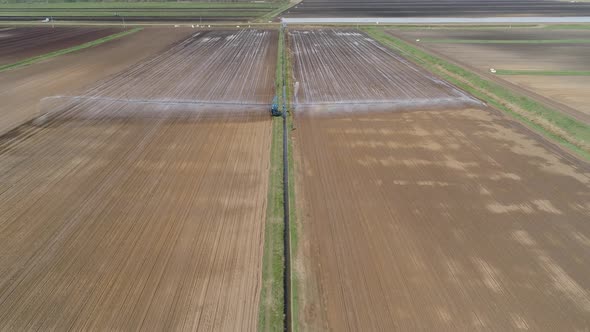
[(24, 42), (21, 90), (569, 90), (345, 67), (143, 222), (454, 220)]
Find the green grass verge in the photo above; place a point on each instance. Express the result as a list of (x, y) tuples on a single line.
[(139, 5), (294, 227), (543, 72), (505, 41), (169, 13), (285, 5), (561, 128), (53, 54), (139, 9), (272, 298), (450, 26), (568, 26)]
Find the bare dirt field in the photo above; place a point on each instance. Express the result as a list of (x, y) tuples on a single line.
[(440, 220), (24, 42), (569, 90), (121, 213), (481, 57), (21, 90), (527, 56), (505, 33), (343, 67), (431, 8)]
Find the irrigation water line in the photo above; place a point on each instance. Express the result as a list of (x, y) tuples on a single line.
[(286, 231)]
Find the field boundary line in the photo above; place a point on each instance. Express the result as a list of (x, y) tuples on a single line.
[(278, 11), (293, 226), (555, 125), (53, 54), (272, 304), (286, 191)]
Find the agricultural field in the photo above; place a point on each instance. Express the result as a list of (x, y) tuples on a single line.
[(22, 90), (552, 66), (138, 11), (24, 42), (381, 77), (446, 217), (442, 8), (144, 184), (139, 203)]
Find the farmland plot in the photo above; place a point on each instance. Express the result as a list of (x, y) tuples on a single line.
[(22, 89), (344, 67), (449, 218), (556, 60), (441, 8), (24, 42), (118, 218), (440, 220)]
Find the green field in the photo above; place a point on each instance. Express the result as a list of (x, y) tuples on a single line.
[(183, 13), (140, 5), (141, 9)]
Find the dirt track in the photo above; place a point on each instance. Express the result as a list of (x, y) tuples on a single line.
[(142, 222), (456, 219), (20, 43), (21, 90)]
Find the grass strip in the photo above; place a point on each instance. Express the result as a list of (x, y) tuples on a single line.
[(271, 299), (450, 26), (140, 5), (284, 6), (270, 316), (561, 128), (568, 26), (53, 54), (453, 27), (505, 41), (294, 227), (543, 72), (195, 14)]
